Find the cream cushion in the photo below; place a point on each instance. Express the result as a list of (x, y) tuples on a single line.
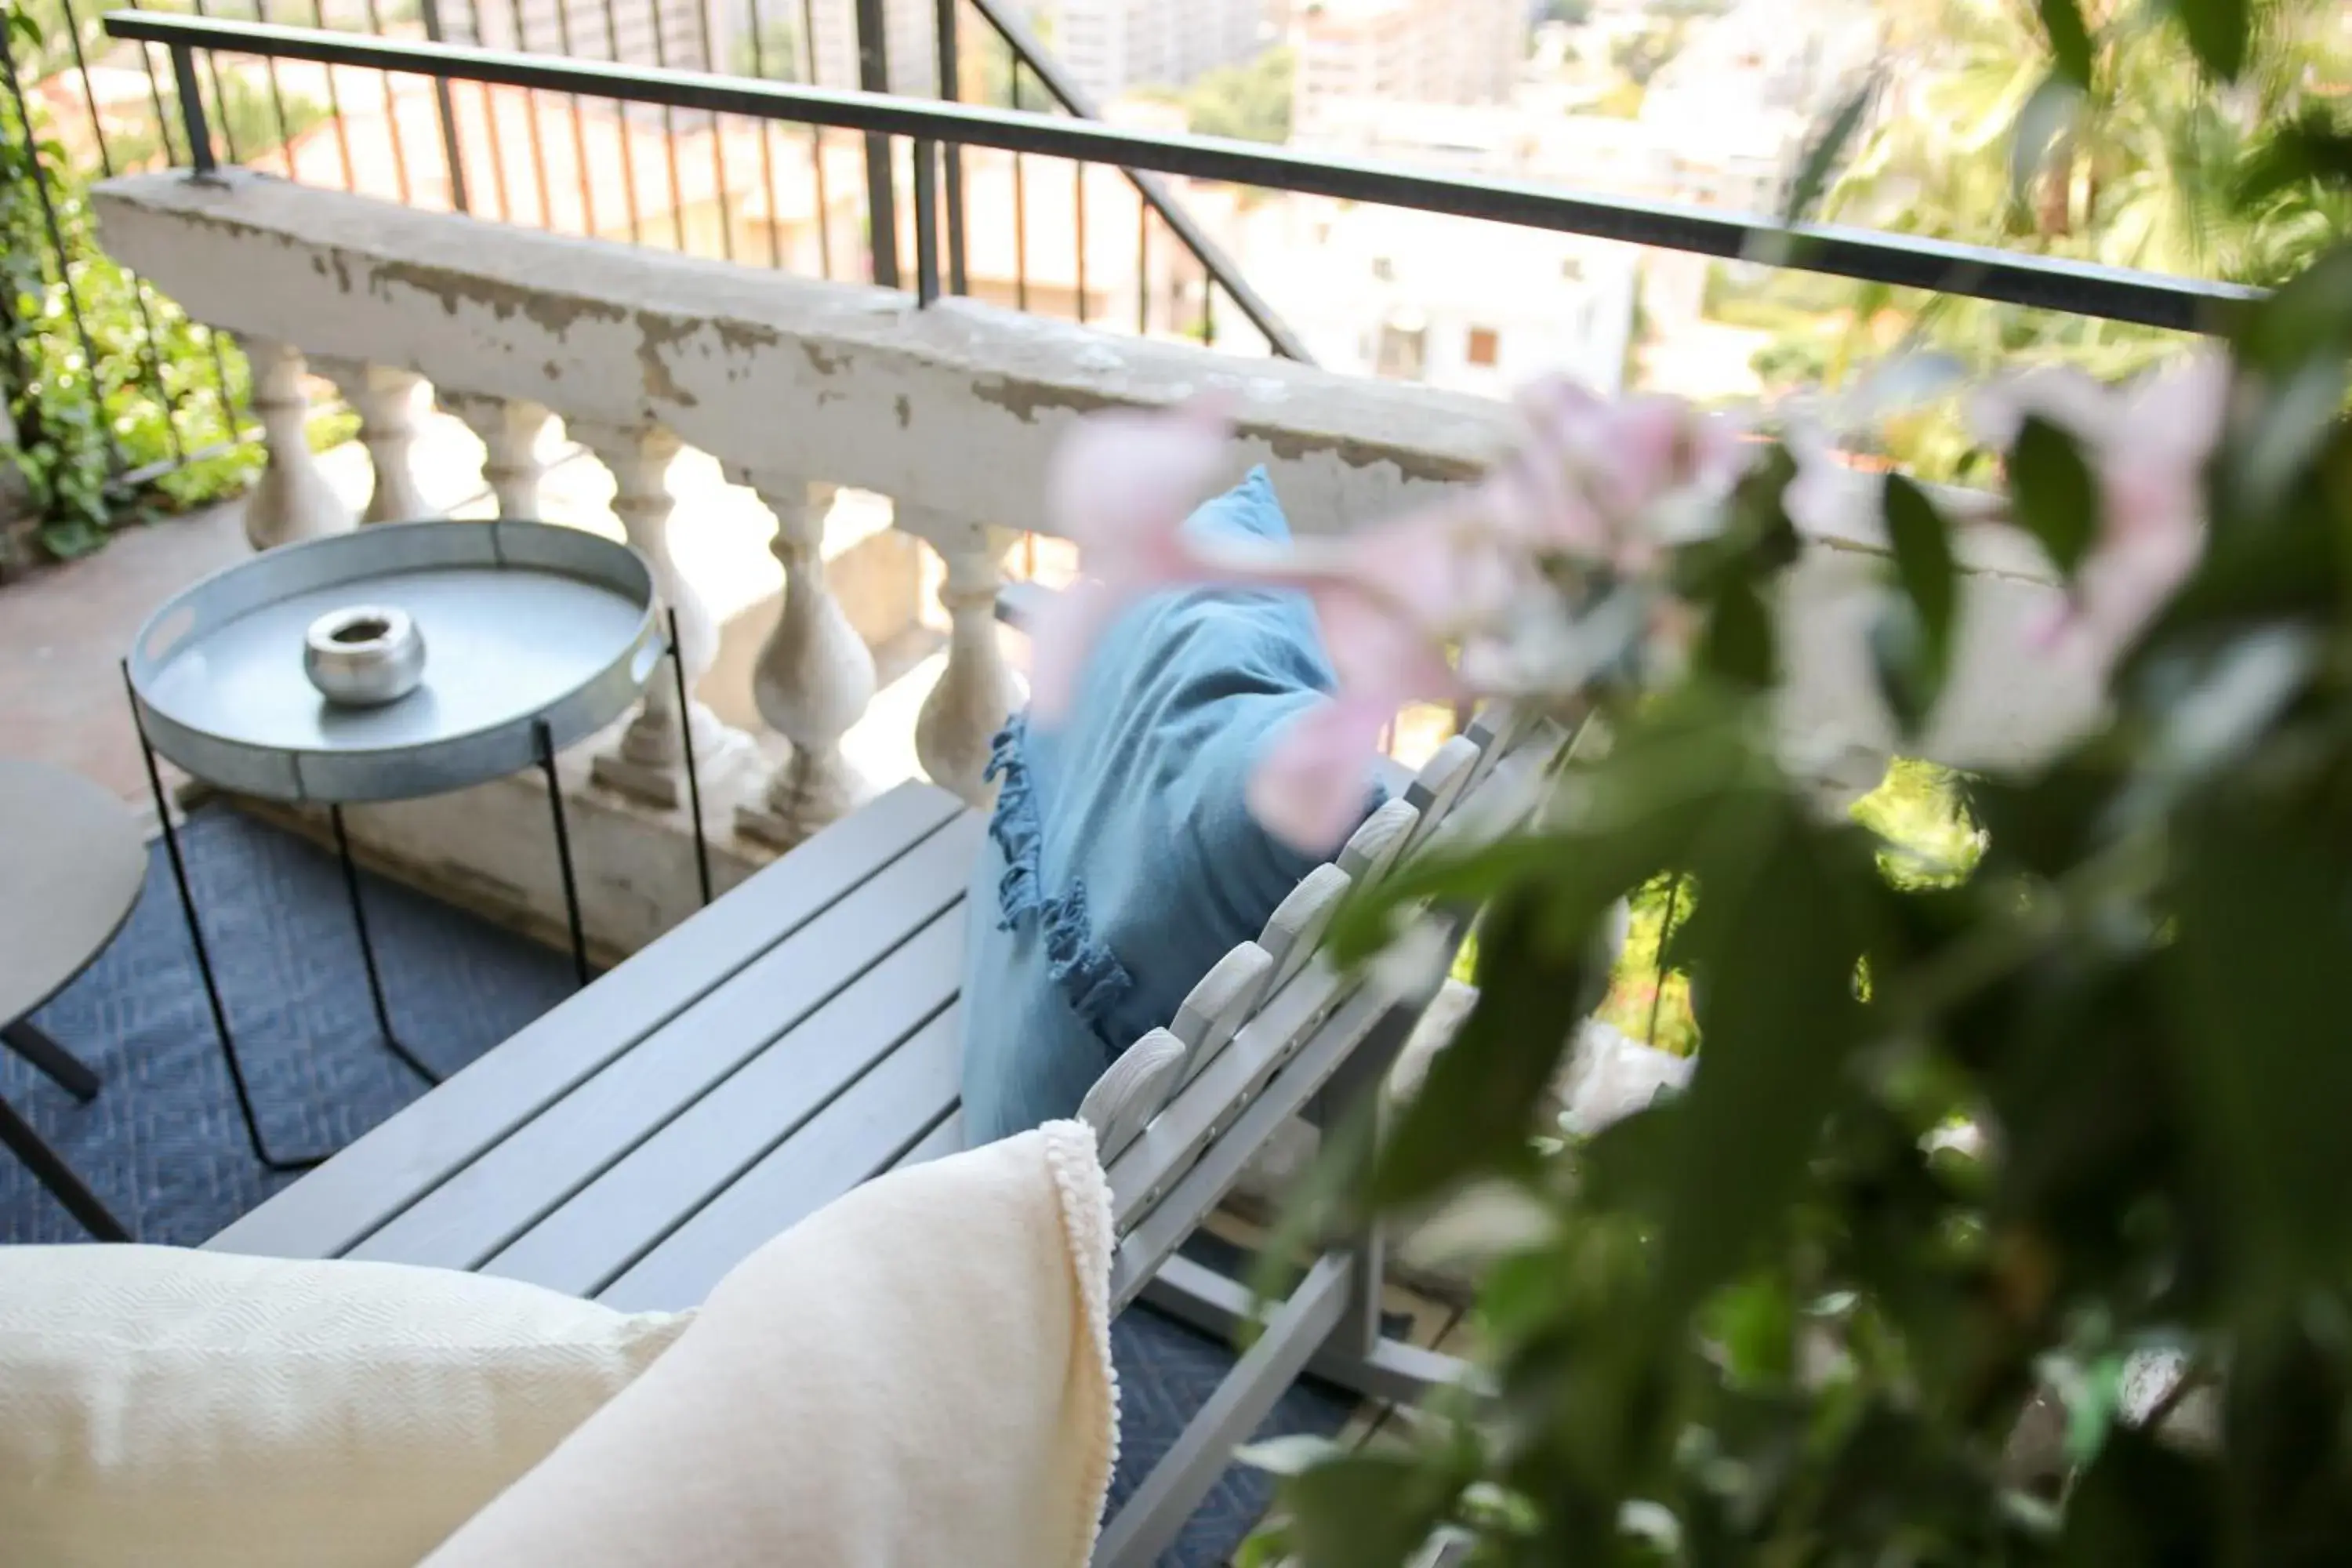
[(194, 1408), (916, 1376)]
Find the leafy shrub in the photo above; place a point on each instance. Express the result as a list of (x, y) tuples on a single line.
[(124, 408)]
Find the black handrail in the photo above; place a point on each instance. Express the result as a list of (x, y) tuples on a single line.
[(2110, 293), (1029, 51)]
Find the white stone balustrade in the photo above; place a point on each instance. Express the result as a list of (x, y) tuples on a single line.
[(292, 500), (798, 386), (977, 691), (814, 676), (649, 760), (509, 429), (384, 397)]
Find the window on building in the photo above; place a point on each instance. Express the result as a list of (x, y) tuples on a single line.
[(1403, 350), (1486, 346), (1571, 269), (1384, 269)]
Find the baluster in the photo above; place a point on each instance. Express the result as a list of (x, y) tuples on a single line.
[(385, 398), (649, 763), (292, 500), (977, 691), (814, 677), (509, 429)]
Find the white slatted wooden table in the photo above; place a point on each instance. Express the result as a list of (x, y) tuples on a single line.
[(794, 1039)]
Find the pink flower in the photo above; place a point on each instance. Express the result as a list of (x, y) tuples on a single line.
[(1310, 788), (1120, 487), (2147, 445), (1605, 481)]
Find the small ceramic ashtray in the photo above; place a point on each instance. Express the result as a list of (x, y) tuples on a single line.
[(364, 656)]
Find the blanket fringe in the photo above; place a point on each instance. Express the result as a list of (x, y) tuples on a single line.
[(1089, 973)]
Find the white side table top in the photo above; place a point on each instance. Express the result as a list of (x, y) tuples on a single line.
[(71, 865)]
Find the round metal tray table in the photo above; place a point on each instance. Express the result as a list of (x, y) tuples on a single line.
[(535, 634), (526, 625)]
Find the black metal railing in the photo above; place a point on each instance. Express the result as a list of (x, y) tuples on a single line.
[(1035, 73), (1899, 260)]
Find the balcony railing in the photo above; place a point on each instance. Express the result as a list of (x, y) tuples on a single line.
[(801, 388), (1899, 260)]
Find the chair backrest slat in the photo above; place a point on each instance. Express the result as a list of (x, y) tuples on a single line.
[(1205, 1020), (1298, 922), (1375, 846), (1131, 1090), (1440, 783)]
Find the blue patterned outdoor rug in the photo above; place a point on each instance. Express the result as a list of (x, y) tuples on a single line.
[(163, 1146)]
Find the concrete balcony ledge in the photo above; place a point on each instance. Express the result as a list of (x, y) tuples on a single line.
[(826, 480), (951, 409)]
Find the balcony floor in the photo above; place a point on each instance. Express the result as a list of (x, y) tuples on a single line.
[(63, 627)]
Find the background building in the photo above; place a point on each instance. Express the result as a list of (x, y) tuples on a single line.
[(1470, 306), (909, 37), (638, 33), (1406, 51), (1110, 46)]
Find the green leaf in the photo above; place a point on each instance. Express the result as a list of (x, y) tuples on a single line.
[(1476, 1108), (2070, 40), (1923, 563), (1822, 156), (2092, 1404), (1909, 676), (71, 536), (2217, 32), (2303, 409), (2140, 1502), (1911, 639), (1758, 537), (1739, 642), (1267, 1546), (2257, 1036), (1755, 1322), (2309, 316), (2309, 149), (1370, 1510), (1774, 944), (2053, 492)]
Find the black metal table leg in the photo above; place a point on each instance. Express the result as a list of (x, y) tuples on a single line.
[(68, 1071), (203, 953), (51, 1171), (367, 951), (693, 776), (562, 848)]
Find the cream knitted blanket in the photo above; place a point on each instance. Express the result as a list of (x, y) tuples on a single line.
[(919, 1375)]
